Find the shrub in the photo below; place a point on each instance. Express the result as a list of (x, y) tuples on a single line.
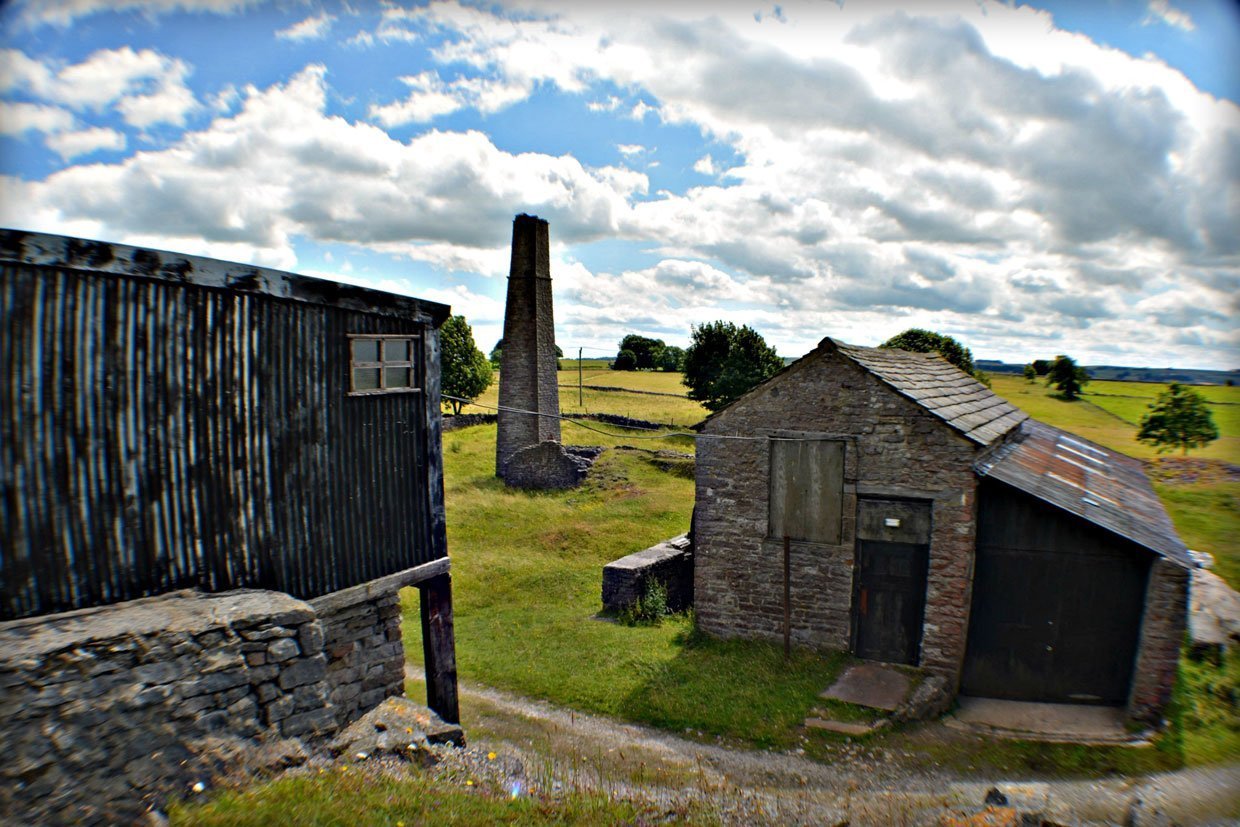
[(649, 609)]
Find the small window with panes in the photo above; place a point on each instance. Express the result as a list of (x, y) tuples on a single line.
[(382, 363)]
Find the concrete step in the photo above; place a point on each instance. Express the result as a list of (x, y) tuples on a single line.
[(842, 727)]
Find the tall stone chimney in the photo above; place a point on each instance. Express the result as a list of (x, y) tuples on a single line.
[(527, 377)]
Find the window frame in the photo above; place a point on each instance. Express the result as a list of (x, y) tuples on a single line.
[(383, 364)]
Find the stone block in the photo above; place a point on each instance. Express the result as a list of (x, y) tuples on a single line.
[(310, 638), (282, 649), (310, 696), (266, 692), (315, 721), (279, 709), (300, 672)]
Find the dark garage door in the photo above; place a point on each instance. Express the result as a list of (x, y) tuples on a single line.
[(1057, 606)]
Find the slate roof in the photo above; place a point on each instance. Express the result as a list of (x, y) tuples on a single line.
[(941, 388), (1099, 485)]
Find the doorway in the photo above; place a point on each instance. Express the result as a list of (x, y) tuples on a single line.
[(889, 583)]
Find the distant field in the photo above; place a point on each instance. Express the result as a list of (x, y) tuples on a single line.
[(680, 412), (1110, 412)]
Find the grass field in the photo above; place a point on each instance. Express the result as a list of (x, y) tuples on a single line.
[(1109, 413)]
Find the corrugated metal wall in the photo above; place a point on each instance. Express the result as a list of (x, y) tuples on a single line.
[(156, 435)]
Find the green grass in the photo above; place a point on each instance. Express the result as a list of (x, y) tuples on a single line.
[(1109, 413), (357, 796), (1207, 518), (1207, 708)]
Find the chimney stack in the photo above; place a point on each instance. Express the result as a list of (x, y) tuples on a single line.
[(528, 379)]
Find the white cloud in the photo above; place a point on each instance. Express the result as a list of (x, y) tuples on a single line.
[(430, 97), (282, 168), (144, 86), (608, 105), (69, 145), (913, 162), (17, 118), (63, 12), (629, 150), (705, 165), (962, 167), (1161, 11), (312, 28)]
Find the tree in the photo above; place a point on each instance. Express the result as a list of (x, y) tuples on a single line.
[(1041, 366), (1178, 418), (1067, 376), (497, 353), (464, 371), (1031, 373), (927, 341), (645, 351), (723, 362), (625, 360), (671, 360)]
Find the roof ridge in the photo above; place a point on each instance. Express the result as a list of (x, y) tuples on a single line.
[(948, 393)]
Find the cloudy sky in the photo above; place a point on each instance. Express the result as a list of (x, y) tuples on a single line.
[(1059, 178)]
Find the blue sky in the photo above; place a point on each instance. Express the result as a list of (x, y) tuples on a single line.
[(1059, 178)]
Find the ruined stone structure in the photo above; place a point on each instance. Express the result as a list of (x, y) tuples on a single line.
[(107, 711), (887, 504), (528, 453)]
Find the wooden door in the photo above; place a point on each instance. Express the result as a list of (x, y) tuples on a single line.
[(1057, 605), (889, 586)]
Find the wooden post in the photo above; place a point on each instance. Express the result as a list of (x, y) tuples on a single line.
[(439, 647), (787, 597), (580, 403)]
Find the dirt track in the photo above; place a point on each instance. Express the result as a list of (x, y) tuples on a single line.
[(552, 748)]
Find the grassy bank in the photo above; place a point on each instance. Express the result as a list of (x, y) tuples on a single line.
[(365, 796)]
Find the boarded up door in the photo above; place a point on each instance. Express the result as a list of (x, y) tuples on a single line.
[(893, 549)]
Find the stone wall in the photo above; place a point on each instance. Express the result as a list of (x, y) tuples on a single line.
[(670, 563), (893, 448), (1162, 633), (365, 656), (106, 712)]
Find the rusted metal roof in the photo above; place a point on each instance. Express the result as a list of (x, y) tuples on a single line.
[(941, 388), (1099, 485), (42, 249)]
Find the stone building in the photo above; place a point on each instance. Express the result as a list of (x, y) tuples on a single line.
[(923, 520)]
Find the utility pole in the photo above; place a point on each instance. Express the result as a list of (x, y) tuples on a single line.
[(580, 404)]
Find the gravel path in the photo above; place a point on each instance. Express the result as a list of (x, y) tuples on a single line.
[(542, 746)]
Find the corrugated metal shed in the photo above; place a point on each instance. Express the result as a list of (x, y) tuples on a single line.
[(169, 421), (941, 388), (1099, 485)]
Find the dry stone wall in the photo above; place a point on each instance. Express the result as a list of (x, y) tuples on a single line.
[(365, 656), (107, 712), (893, 448)]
